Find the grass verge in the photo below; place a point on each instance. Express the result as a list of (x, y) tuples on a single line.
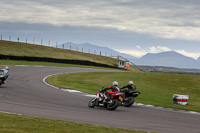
[(10, 123), (156, 88)]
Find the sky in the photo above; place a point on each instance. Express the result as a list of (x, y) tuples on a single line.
[(135, 27)]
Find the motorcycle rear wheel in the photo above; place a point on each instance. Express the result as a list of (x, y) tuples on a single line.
[(92, 103), (129, 102), (113, 105)]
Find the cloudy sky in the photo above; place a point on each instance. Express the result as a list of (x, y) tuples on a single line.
[(134, 27)]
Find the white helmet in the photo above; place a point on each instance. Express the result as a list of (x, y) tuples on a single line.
[(130, 83), (115, 83), (7, 67)]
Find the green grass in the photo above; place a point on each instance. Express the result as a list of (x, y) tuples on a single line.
[(156, 88), (24, 49), (10, 123)]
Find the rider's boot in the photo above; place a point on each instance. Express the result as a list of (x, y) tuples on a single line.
[(107, 99)]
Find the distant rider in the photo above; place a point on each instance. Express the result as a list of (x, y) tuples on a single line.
[(5, 72), (114, 88)]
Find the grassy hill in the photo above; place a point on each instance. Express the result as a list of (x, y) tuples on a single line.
[(24, 49)]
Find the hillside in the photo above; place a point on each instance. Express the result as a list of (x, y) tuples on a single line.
[(24, 49)]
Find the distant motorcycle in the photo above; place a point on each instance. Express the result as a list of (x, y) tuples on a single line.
[(3, 75), (100, 101), (129, 97)]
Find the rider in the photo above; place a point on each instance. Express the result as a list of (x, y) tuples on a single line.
[(6, 73), (130, 87), (114, 88)]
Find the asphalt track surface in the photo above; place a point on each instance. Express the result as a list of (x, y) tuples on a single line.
[(26, 93)]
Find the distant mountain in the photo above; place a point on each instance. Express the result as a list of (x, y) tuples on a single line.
[(198, 59), (93, 49), (168, 59)]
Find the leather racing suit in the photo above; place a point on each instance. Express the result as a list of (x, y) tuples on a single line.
[(114, 89)]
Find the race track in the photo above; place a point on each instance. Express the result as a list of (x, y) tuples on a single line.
[(26, 93)]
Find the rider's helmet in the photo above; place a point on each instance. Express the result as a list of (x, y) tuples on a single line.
[(7, 68), (130, 83), (115, 83)]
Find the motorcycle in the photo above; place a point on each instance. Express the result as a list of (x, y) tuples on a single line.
[(129, 97), (3, 76), (100, 101)]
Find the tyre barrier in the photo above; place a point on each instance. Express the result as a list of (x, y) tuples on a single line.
[(180, 99), (54, 60)]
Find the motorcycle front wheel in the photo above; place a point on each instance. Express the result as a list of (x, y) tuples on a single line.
[(129, 102), (113, 105), (1, 82), (92, 103)]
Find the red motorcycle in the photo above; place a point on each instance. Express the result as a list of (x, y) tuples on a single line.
[(99, 101)]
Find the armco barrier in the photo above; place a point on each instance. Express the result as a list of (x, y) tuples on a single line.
[(44, 59)]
